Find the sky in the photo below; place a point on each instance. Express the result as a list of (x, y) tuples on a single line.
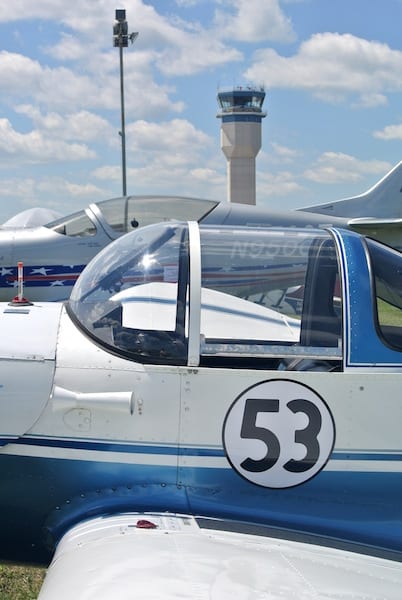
[(331, 70)]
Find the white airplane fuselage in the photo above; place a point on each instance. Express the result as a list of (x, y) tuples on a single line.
[(86, 431)]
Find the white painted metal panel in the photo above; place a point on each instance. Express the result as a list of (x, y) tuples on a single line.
[(28, 338), (367, 413), (99, 396), (29, 332), (114, 557)]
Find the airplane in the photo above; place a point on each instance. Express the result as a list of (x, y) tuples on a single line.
[(179, 427), (54, 254)]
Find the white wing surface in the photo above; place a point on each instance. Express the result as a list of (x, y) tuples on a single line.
[(152, 556)]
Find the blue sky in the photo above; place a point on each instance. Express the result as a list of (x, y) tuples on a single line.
[(332, 72)]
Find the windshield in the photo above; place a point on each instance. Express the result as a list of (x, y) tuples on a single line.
[(129, 299), (76, 225), (125, 214)]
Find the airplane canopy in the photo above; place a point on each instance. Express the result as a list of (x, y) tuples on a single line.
[(174, 292), (188, 294), (123, 214)]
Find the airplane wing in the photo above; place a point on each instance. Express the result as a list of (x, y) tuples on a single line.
[(150, 556), (367, 223)]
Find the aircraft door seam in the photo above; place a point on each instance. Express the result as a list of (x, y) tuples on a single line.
[(194, 295)]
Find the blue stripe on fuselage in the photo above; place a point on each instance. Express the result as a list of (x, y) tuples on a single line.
[(173, 449), (46, 496)]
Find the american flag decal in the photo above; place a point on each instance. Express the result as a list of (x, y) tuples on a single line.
[(41, 276)]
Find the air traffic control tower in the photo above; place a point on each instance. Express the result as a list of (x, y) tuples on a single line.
[(241, 114)]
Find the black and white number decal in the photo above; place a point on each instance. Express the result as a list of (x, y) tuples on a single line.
[(278, 434)]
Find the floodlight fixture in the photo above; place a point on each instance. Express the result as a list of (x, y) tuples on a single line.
[(120, 14)]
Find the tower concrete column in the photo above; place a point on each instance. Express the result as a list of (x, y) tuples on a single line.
[(241, 114)]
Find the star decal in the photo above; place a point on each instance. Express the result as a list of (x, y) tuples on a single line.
[(40, 271)]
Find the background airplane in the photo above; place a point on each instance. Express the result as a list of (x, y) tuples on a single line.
[(55, 254), (164, 390)]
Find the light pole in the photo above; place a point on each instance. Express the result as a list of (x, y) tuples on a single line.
[(120, 41)]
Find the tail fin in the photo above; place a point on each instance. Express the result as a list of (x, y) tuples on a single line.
[(383, 200)]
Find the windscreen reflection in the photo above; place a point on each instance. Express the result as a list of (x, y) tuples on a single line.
[(129, 299)]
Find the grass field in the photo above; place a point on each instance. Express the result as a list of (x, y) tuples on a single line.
[(388, 315), (20, 583)]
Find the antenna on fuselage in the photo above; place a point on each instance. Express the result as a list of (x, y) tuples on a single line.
[(19, 299)]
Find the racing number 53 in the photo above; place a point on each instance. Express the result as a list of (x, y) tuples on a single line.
[(306, 436), (280, 436)]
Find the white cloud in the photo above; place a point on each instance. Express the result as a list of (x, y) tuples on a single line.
[(62, 186), (18, 74), (254, 21), (390, 132), (84, 16), (173, 46), (166, 45), (55, 193), (107, 173), (334, 167), (196, 53), (85, 126), (64, 89), (171, 179), (24, 9), (166, 157), (69, 48), (82, 190), (35, 147), (207, 175), (179, 180), (82, 126), (333, 67), (187, 3), (91, 80), (277, 185), (21, 77), (18, 188), (175, 141), (284, 153)]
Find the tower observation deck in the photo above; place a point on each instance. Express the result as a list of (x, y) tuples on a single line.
[(241, 114)]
